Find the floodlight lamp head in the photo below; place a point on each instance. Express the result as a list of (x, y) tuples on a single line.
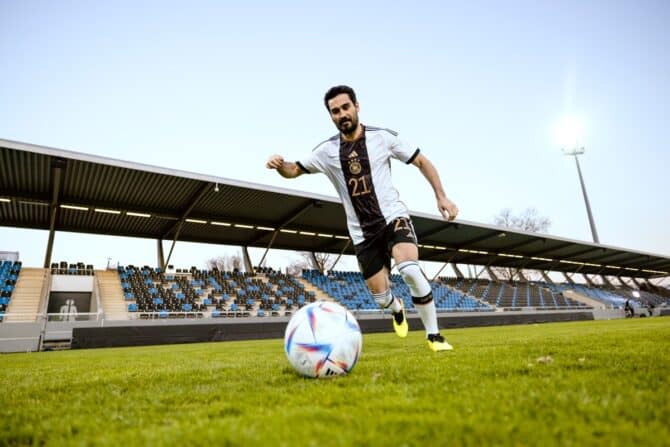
[(216, 187), (575, 150)]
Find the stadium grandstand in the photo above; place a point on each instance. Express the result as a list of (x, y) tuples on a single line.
[(69, 302)]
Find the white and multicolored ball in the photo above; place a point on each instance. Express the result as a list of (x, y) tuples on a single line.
[(323, 339)]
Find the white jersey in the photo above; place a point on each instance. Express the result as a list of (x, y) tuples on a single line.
[(361, 173)]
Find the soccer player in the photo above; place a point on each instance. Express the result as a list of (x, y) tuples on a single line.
[(357, 162)]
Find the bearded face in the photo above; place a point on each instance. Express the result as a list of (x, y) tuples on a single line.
[(344, 113)]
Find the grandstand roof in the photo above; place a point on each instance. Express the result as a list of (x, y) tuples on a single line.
[(59, 190)]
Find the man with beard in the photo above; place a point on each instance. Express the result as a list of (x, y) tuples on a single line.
[(357, 162)]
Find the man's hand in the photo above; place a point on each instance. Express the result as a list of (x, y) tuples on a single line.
[(284, 168), (447, 208), (275, 162)]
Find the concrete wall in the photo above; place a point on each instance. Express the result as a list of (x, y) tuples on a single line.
[(71, 283), (172, 331), (19, 337), (608, 314), (62, 330)]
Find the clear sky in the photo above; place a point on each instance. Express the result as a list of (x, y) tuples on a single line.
[(216, 87)]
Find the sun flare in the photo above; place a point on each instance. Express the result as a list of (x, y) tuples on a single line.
[(569, 132)]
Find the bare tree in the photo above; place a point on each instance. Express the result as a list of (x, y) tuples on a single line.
[(528, 220), (225, 262), (236, 262), (296, 266), (320, 262)]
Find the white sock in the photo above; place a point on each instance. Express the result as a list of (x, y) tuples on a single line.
[(387, 300), (428, 316), (395, 305)]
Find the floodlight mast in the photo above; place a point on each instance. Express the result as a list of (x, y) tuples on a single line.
[(575, 151)]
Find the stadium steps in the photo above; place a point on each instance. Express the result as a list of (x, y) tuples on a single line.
[(582, 299), (319, 294), (111, 295), (257, 305), (25, 302)]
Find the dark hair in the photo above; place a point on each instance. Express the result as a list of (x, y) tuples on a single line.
[(338, 90)]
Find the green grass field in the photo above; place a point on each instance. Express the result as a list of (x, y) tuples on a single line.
[(585, 383)]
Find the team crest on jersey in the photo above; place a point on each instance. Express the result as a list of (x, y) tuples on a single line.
[(355, 167)]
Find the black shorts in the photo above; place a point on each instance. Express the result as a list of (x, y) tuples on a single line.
[(375, 253)]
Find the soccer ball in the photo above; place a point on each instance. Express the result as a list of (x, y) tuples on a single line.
[(323, 339)]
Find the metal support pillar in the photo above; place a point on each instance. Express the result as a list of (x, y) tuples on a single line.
[(622, 282), (286, 221), (340, 255), (174, 241), (567, 278), (248, 265), (459, 274), (606, 281), (180, 223), (160, 255), (588, 280), (546, 277), (267, 249), (57, 168), (316, 263), (440, 271)]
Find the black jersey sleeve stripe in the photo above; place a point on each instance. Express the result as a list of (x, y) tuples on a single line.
[(333, 138), (414, 155), (392, 132), (302, 167)]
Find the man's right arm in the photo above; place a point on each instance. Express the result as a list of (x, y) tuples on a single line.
[(286, 169)]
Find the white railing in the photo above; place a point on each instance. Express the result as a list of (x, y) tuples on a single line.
[(30, 317), (169, 315), (21, 317), (96, 291), (73, 316), (45, 292), (165, 315), (14, 317), (43, 305)]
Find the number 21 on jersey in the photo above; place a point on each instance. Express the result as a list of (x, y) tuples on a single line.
[(358, 186)]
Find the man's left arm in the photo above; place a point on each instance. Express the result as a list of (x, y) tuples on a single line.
[(447, 208)]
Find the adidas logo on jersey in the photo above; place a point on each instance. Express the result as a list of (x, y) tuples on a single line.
[(353, 154)]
